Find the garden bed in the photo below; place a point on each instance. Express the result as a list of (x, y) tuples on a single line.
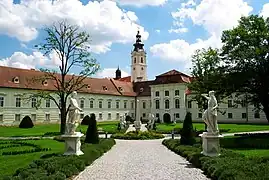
[(229, 165), (133, 135), (57, 166)]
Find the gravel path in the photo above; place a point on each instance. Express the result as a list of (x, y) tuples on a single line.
[(140, 160)]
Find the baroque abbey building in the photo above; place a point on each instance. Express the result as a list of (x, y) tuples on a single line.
[(167, 96)]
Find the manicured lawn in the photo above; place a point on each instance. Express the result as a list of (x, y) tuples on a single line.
[(253, 152), (231, 127), (10, 163), (39, 130)]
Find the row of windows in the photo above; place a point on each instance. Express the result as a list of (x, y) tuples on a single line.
[(109, 116), (109, 104), (17, 117), (18, 103), (166, 93), (167, 104)]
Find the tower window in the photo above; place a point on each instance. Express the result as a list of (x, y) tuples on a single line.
[(135, 60), (133, 68), (142, 60), (142, 68)]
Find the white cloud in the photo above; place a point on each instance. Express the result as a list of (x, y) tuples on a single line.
[(110, 73), (265, 10), (178, 30), (158, 31), (140, 3), (213, 16), (32, 61), (105, 21)]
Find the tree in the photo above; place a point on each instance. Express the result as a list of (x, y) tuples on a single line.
[(187, 133), (72, 48), (85, 120), (208, 74), (92, 132), (246, 51)]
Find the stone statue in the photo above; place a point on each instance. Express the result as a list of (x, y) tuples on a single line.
[(151, 121), (210, 115), (122, 122), (73, 115)]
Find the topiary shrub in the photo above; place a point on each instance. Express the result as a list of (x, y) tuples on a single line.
[(92, 132), (129, 119), (187, 132), (85, 120), (26, 122)]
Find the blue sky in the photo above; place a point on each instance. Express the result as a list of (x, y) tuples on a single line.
[(170, 28)]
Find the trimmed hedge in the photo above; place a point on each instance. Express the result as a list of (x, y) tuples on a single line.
[(26, 122), (59, 167), (133, 135), (228, 166), (86, 120), (92, 135), (18, 143), (187, 133), (245, 142)]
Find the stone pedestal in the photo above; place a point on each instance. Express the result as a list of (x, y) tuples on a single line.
[(137, 125), (211, 144), (72, 143)]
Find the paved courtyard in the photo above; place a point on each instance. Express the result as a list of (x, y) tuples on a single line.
[(140, 160)]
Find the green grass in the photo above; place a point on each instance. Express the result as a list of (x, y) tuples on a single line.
[(39, 130), (253, 152), (9, 164), (200, 126)]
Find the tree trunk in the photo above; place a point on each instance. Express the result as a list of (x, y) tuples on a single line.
[(63, 115), (63, 121)]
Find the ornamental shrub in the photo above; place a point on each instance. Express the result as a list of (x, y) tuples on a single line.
[(26, 122), (92, 132), (187, 132), (85, 120)]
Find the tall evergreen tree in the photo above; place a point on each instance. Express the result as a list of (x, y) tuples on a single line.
[(92, 135)]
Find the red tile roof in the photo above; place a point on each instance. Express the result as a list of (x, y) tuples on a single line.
[(172, 72), (120, 87), (125, 79), (96, 85)]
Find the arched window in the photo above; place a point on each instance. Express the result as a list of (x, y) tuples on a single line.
[(157, 104), (142, 60), (166, 104), (135, 60), (142, 68), (177, 104)]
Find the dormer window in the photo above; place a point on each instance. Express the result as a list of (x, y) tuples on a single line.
[(120, 88), (141, 89), (88, 86), (45, 82), (104, 88), (16, 80)]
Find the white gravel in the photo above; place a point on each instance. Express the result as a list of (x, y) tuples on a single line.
[(140, 160)]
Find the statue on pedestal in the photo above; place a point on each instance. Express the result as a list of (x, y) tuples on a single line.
[(210, 114), (73, 115)]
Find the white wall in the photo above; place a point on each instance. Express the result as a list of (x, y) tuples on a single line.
[(9, 110)]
